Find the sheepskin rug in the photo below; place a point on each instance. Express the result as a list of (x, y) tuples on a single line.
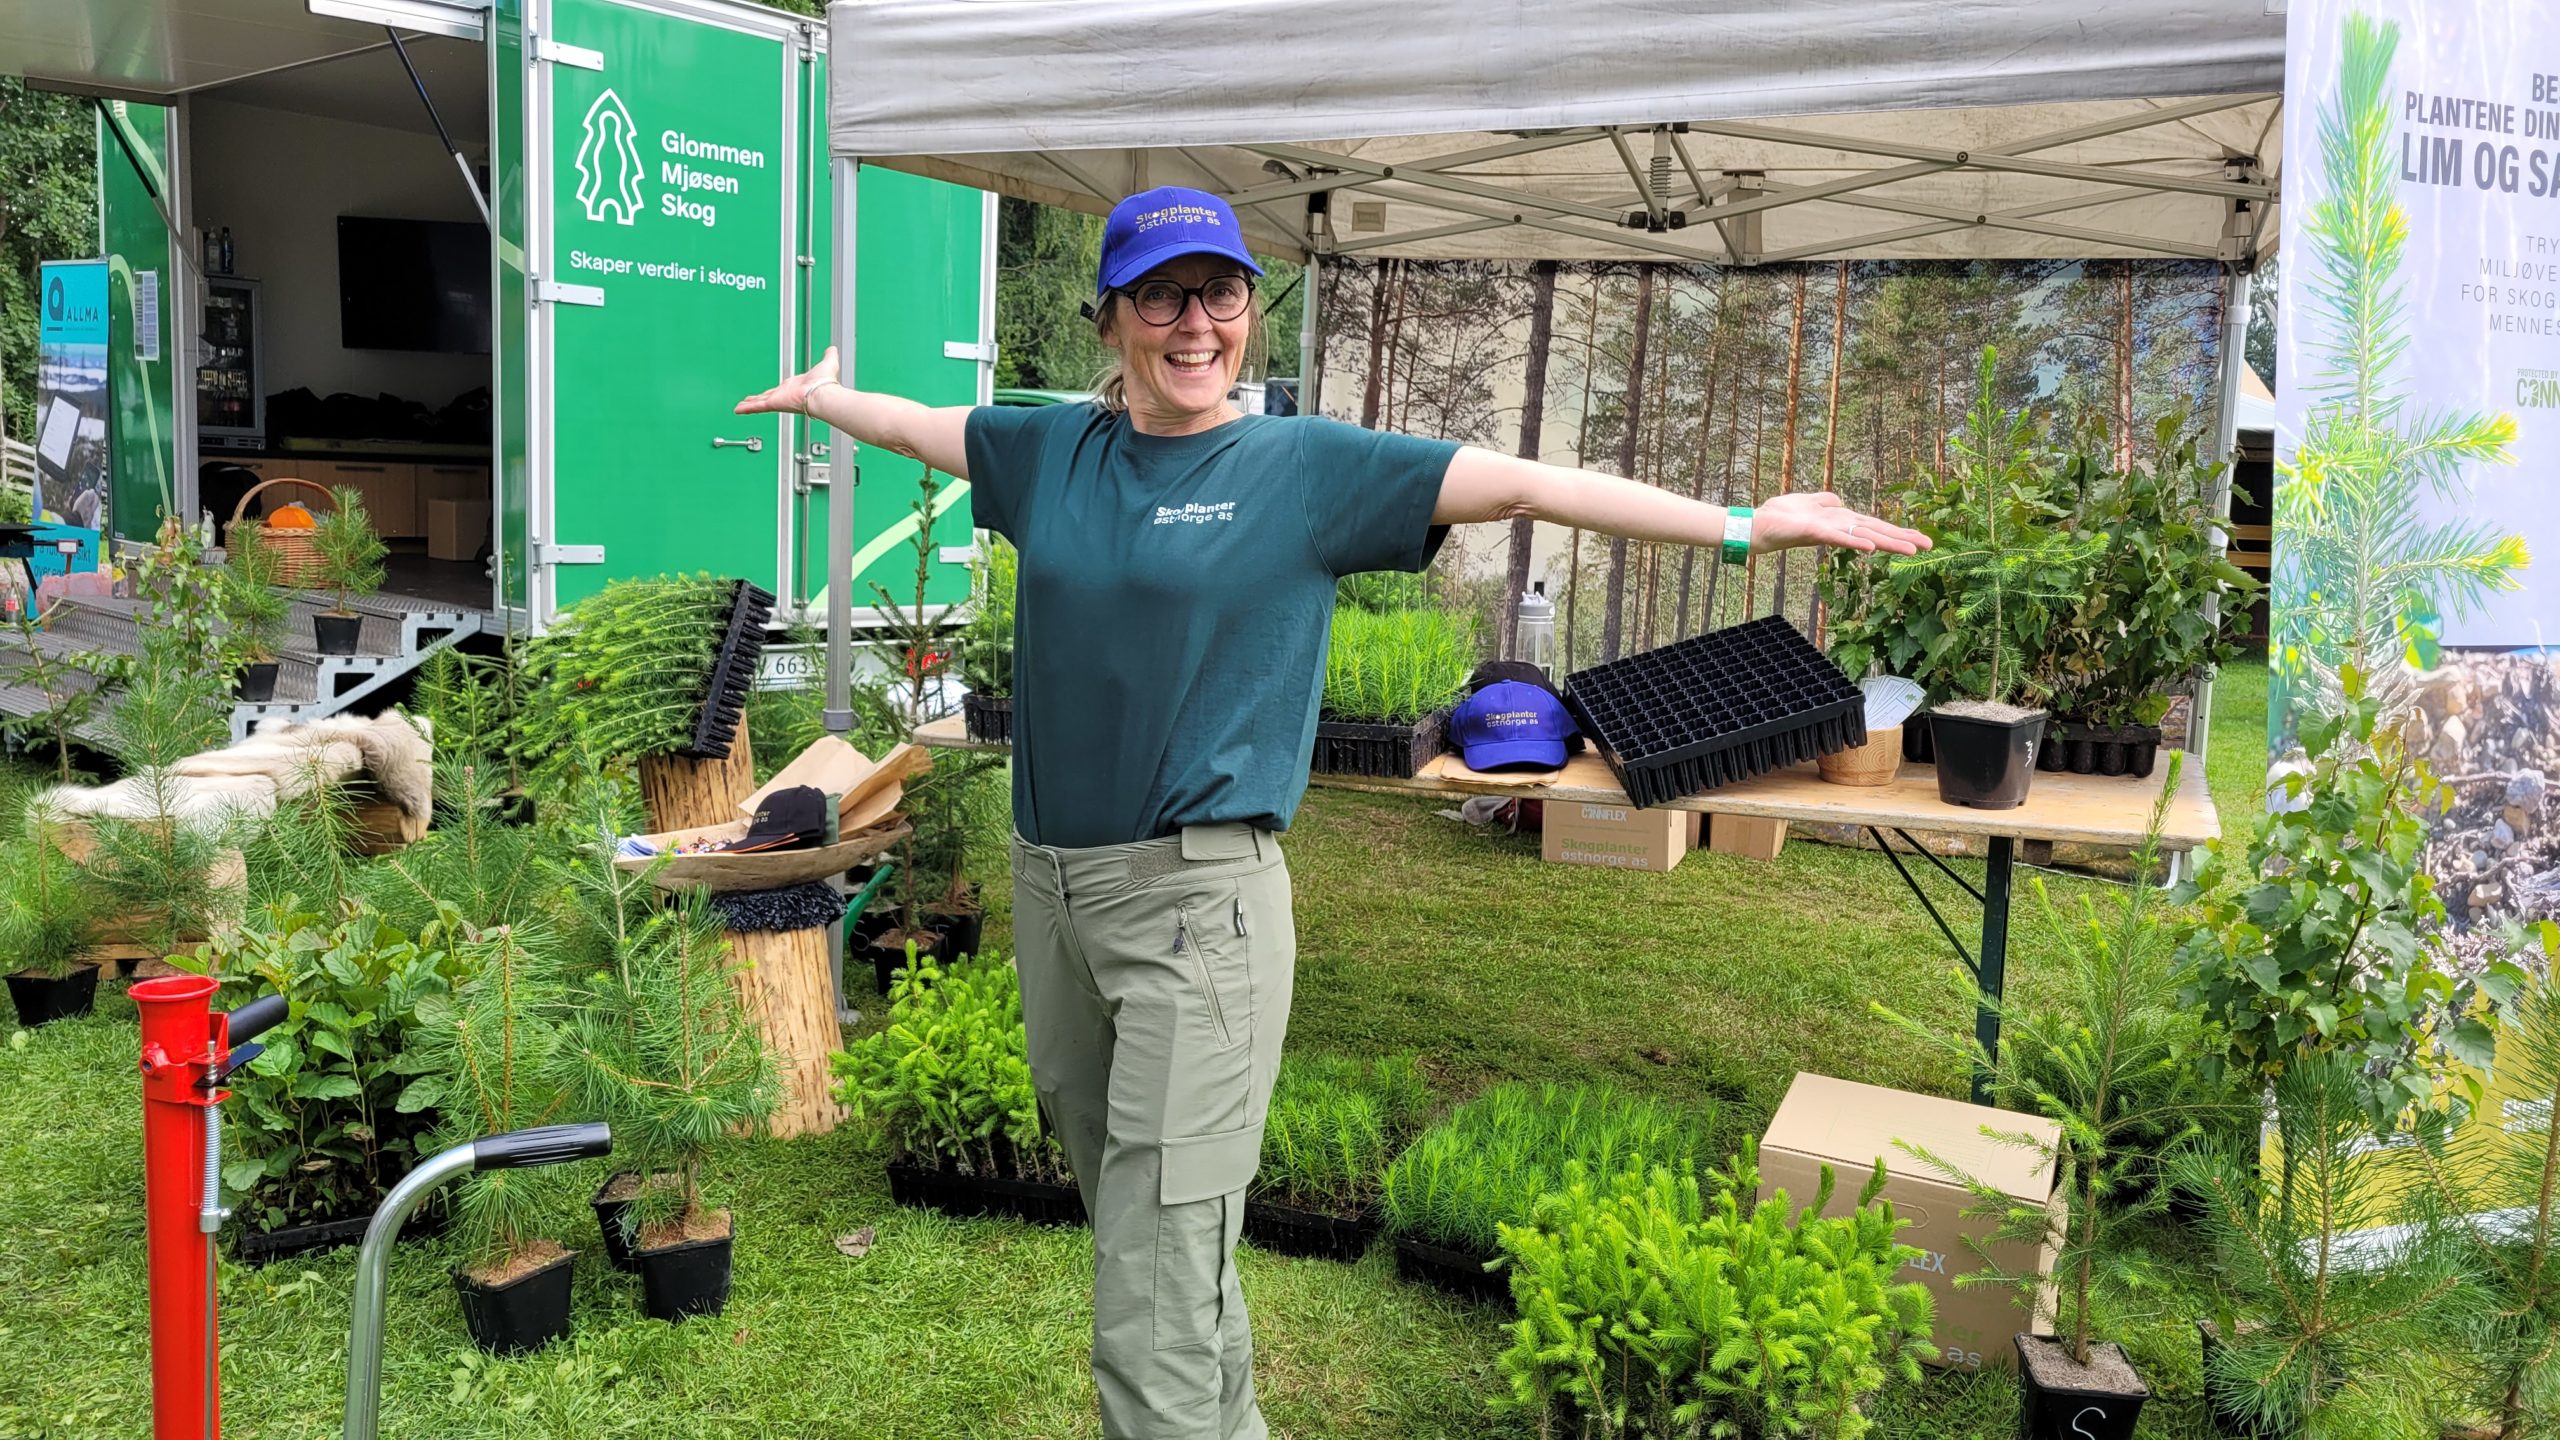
[(279, 761)]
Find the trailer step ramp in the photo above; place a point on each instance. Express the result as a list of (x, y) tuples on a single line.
[(398, 634)]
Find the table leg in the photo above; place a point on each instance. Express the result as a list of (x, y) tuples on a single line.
[(1992, 961)]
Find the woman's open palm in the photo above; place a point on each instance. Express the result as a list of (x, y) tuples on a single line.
[(1821, 518), (792, 395)]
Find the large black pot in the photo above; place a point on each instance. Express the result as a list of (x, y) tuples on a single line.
[(43, 999), (336, 634), (988, 719), (258, 682), (1985, 764), (962, 930), (690, 1277), (613, 1222), (2058, 1401), (522, 1315), (888, 960)]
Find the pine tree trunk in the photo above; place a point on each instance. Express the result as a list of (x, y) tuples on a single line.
[(1759, 465), (1831, 424), (1613, 624), (682, 794), (1787, 440), (1698, 471), (1938, 407), (1533, 425), (782, 981), (1581, 454), (1370, 389)]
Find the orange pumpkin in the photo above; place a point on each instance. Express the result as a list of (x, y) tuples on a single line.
[(290, 517)]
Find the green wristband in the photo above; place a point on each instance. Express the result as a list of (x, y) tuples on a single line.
[(1737, 534)]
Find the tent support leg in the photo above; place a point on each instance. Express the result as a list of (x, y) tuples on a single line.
[(843, 476), (2226, 432)]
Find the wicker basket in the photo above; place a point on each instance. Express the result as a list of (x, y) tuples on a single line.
[(297, 559)]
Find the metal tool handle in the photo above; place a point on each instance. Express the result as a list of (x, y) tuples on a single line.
[(753, 444), (546, 1145)]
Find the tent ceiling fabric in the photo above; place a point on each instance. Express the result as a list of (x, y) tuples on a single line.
[(2099, 130), (160, 49)]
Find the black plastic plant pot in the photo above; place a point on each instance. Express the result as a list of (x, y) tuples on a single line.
[(988, 718), (965, 1196), (613, 1222), (522, 1315), (336, 634), (2058, 1400), (1916, 747), (685, 1279), (1288, 1230), (962, 932), (258, 682), (1985, 764), (1458, 1272), (1380, 751), (285, 1242), (43, 999)]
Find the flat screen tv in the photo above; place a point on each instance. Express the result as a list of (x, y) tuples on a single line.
[(413, 285)]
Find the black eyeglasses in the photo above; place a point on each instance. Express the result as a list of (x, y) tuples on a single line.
[(1161, 302)]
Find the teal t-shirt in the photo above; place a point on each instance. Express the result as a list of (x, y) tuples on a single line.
[(1173, 604)]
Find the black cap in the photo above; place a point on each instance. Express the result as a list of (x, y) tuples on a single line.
[(1520, 670), (791, 818)]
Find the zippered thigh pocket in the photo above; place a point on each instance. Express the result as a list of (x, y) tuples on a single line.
[(1198, 927)]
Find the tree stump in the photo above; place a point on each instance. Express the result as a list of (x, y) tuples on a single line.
[(682, 792), (782, 978)]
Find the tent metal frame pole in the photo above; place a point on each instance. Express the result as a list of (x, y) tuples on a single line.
[(1915, 232), (2075, 233), (1416, 237), (2226, 439), (1986, 160), (1310, 330), (844, 475), (1341, 180), (1624, 239), (1434, 180)]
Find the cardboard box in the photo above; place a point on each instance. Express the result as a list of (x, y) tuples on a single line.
[(1848, 1126), (1748, 836), (1621, 836), (456, 529)]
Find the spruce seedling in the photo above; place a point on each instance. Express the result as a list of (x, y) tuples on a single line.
[(1395, 666), (250, 593), (349, 553)]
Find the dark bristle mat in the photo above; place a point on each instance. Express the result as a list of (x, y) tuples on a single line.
[(812, 906), (1715, 709), (733, 673)]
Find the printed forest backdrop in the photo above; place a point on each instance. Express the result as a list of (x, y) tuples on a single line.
[(1734, 385)]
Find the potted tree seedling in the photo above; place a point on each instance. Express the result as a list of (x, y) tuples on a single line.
[(2498, 1185), (1390, 677), (327, 1120), (1653, 1305), (947, 1082), (254, 610), (2140, 625), (2105, 1067), (492, 1064), (47, 912), (661, 1048), (986, 646), (2335, 1280), (1333, 1125), (349, 563), (2004, 574), (1447, 1197), (2320, 932)]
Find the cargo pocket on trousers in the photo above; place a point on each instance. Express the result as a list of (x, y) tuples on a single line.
[(1203, 1178)]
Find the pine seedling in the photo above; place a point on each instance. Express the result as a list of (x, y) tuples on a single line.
[(1333, 1125), (1489, 1161), (48, 907), (488, 871), (349, 553), (2335, 1282), (70, 683), (2496, 1183), (250, 594), (2105, 1066), (659, 1045), (471, 705), (489, 1056), (307, 846), (2001, 580), (1396, 666)]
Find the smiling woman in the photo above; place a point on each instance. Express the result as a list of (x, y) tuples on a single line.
[(1178, 565)]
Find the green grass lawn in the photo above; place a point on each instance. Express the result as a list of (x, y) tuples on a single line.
[(1712, 984)]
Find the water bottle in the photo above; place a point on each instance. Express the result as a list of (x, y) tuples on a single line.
[(1534, 636)]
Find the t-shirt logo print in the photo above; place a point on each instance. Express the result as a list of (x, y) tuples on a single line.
[(1196, 513)]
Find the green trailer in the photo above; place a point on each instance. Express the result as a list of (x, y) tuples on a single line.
[(640, 195)]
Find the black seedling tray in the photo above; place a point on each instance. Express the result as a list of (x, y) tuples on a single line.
[(2084, 749), (733, 674), (1716, 709), (1392, 750), (1288, 1230), (1042, 1202), (1454, 1271)]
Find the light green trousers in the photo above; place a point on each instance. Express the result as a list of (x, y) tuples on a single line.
[(1155, 986)]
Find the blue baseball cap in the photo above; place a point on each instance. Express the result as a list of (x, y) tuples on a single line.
[(1511, 722), (1154, 226)]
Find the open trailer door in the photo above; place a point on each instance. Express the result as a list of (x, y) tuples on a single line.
[(660, 251)]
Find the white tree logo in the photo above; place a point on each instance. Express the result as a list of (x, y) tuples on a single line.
[(609, 162)]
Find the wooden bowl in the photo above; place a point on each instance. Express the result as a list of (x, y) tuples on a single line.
[(1874, 763)]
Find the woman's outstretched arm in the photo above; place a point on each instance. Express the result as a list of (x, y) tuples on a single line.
[(1482, 485), (934, 434)]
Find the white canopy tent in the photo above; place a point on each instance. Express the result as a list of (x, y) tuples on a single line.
[(1742, 132)]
